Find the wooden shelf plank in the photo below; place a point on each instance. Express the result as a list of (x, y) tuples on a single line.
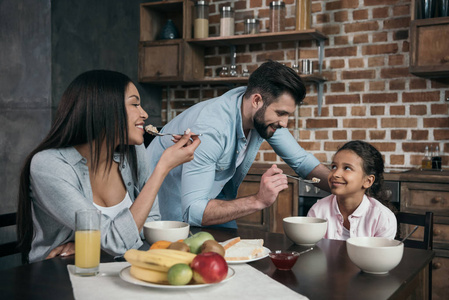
[(269, 37), (230, 80), (164, 5)]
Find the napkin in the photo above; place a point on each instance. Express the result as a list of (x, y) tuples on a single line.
[(247, 283)]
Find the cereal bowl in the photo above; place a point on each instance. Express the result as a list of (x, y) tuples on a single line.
[(375, 255), (305, 231), (171, 231)]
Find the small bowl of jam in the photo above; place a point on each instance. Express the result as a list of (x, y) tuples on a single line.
[(283, 259)]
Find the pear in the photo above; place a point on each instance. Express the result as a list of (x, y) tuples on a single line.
[(196, 241)]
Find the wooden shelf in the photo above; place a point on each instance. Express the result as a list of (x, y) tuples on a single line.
[(269, 37), (185, 66), (229, 80), (164, 6)]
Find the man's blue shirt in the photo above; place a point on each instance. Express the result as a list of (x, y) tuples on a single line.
[(213, 174)]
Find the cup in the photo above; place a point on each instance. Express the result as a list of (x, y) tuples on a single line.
[(87, 242)]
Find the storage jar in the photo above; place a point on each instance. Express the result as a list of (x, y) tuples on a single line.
[(277, 16), (226, 21), (201, 21), (252, 26)]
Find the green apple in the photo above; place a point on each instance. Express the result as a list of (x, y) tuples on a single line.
[(196, 241)]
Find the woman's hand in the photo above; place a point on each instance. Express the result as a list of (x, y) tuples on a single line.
[(62, 250), (181, 152)]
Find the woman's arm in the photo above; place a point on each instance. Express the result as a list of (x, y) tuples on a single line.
[(172, 157)]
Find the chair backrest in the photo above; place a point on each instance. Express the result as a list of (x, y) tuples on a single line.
[(8, 248), (425, 221)]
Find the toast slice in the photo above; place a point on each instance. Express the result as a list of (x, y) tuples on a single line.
[(231, 242), (243, 249)]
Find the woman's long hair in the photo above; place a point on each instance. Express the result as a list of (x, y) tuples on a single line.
[(91, 109)]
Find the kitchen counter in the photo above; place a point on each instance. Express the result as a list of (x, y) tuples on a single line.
[(417, 175), (411, 175)]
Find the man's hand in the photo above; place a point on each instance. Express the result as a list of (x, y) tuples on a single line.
[(62, 250), (271, 184)]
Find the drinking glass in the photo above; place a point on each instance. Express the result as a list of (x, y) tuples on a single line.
[(87, 242)]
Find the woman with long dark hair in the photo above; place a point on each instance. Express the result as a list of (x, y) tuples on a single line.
[(93, 156)]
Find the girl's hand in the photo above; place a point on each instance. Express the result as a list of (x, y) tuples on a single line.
[(62, 250), (181, 152)]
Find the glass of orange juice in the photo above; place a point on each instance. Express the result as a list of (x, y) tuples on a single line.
[(87, 242)]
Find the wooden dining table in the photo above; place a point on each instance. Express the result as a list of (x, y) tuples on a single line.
[(326, 272)]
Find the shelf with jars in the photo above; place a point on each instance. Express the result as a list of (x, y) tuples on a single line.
[(428, 51), (187, 48)]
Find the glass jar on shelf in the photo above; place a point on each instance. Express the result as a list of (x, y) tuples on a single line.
[(252, 26), (226, 21), (277, 16), (201, 20)]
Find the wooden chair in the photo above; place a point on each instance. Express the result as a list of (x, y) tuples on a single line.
[(8, 248), (426, 243), (425, 221)]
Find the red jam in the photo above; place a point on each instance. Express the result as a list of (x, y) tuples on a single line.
[(284, 260)]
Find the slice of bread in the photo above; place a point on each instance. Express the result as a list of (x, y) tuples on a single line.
[(244, 249), (230, 242)]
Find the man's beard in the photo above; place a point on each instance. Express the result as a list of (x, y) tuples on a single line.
[(259, 124)]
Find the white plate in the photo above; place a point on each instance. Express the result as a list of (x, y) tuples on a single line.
[(126, 276), (262, 255)]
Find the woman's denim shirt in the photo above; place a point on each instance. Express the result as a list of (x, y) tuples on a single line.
[(60, 185)]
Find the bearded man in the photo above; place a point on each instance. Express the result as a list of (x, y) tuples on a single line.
[(202, 192)]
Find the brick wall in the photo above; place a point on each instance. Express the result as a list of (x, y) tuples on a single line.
[(369, 93)]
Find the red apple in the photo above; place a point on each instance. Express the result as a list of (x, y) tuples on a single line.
[(209, 267)]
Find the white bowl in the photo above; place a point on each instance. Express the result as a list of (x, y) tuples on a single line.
[(375, 255), (305, 231), (171, 231)]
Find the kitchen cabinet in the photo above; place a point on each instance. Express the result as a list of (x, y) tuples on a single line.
[(428, 46), (181, 61), (423, 191), (171, 60), (429, 56), (286, 205)]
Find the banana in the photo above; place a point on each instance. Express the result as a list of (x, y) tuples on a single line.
[(158, 259), (148, 275), (175, 254)]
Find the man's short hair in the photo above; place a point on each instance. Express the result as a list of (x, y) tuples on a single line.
[(272, 79)]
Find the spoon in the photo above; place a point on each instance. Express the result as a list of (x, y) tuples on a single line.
[(314, 179), (163, 134), (302, 252), (408, 235)]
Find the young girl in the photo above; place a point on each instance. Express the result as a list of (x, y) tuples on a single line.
[(93, 157), (355, 181)]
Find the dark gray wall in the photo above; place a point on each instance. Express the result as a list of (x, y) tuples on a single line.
[(25, 93), (44, 45), (100, 34)]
